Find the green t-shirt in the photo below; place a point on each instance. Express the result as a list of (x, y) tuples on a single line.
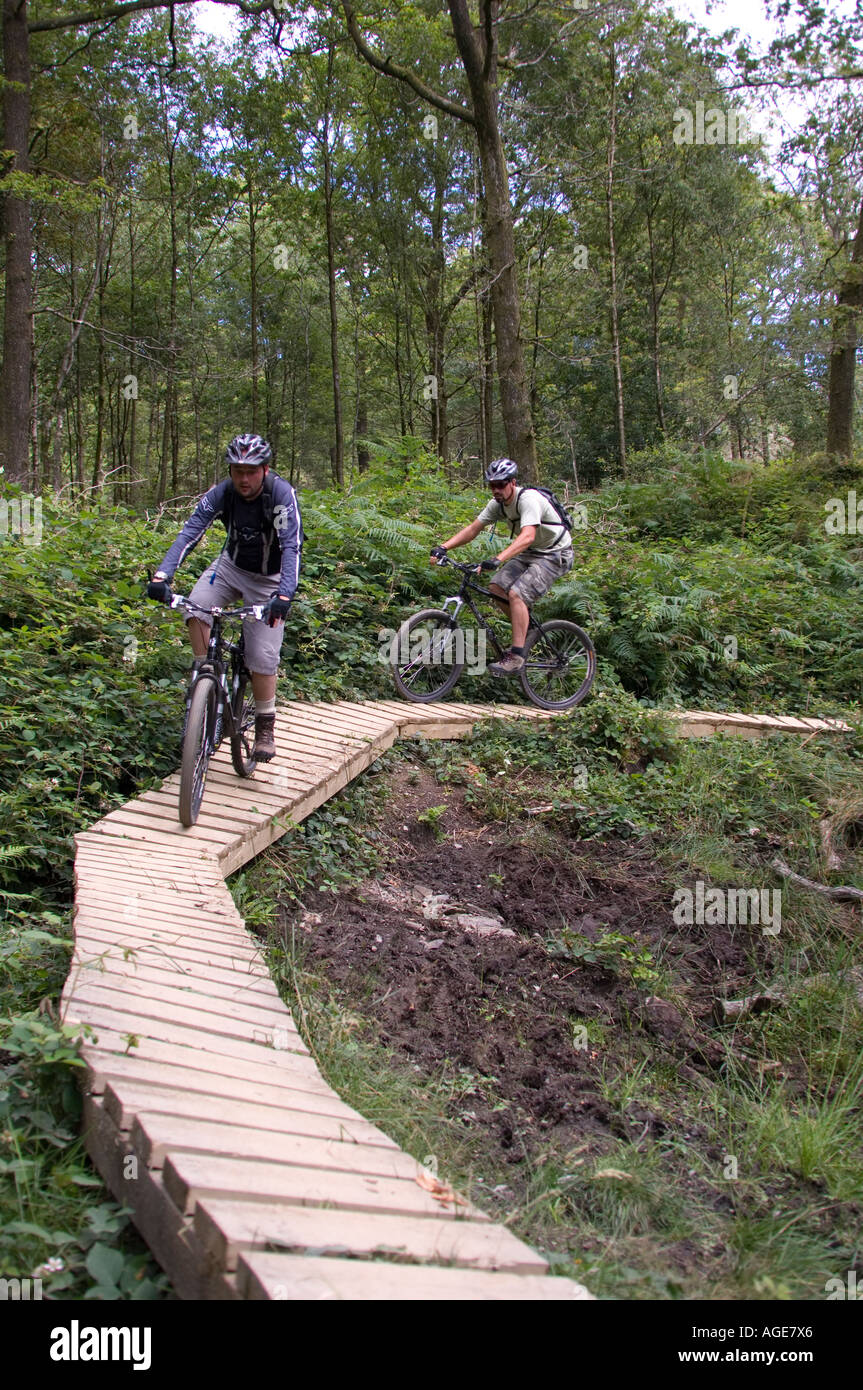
[(529, 508)]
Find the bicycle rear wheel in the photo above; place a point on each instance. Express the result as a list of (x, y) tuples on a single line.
[(197, 748), (424, 656), (243, 731), (559, 665)]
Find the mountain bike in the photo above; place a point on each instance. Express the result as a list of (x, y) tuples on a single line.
[(427, 654), (219, 700)]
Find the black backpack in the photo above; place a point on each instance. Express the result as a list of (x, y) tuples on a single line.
[(565, 518), (268, 508)]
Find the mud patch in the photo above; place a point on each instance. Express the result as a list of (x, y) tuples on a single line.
[(532, 1027)]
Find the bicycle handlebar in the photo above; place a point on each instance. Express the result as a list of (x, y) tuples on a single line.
[(457, 564), (254, 610)]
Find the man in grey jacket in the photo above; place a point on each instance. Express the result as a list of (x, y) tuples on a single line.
[(259, 563)]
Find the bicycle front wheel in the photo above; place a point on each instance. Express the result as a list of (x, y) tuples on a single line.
[(243, 731), (197, 748), (559, 665), (427, 656)]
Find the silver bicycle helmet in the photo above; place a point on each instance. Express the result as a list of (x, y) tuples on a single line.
[(500, 471), (249, 449)]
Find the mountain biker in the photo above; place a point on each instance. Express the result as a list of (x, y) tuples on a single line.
[(257, 509), (539, 553)]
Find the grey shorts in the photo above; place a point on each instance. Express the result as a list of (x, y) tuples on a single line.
[(235, 586), (531, 578)]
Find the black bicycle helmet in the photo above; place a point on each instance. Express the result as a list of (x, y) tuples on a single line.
[(501, 471), (249, 449)]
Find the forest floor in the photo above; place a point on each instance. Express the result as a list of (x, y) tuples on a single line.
[(516, 1006)]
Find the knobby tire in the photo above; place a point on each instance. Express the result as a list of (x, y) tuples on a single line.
[(429, 674), (197, 748)]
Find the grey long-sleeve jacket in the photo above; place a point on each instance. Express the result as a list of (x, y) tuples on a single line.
[(280, 519)]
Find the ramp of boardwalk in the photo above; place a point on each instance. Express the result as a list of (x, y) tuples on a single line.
[(247, 1175)]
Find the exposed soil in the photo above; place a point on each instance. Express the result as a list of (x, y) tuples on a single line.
[(506, 1010)]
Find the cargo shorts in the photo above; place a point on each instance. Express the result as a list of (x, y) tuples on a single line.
[(223, 585), (531, 577)]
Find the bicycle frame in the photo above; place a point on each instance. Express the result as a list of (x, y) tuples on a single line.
[(463, 599), (214, 667)]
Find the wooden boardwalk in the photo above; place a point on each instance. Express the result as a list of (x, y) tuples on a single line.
[(247, 1175)]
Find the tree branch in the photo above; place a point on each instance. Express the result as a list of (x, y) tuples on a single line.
[(73, 21), (391, 69), (844, 894)]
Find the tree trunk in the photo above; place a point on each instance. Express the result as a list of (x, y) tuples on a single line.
[(480, 64), (612, 254), (17, 239), (253, 276), (843, 357), (133, 360), (433, 307), (655, 298), (338, 449)]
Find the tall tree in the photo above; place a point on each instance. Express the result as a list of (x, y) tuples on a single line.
[(478, 49)]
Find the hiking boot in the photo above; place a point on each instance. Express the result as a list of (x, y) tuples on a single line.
[(509, 665), (265, 738)]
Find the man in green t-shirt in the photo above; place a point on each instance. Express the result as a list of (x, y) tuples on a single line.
[(539, 553)]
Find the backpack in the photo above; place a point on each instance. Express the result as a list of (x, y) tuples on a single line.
[(565, 518), (267, 506)]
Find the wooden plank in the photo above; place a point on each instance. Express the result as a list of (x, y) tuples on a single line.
[(235, 808), (115, 886), (260, 1018), (169, 950), (441, 730), (149, 820), (188, 1177), (137, 834), (226, 930), (159, 1067), (331, 736), (156, 1135), (336, 727), (367, 715), (226, 1228), (230, 936), (125, 1022), (126, 1098), (189, 877), (203, 980), (264, 793), (212, 903), (299, 1277), (211, 817), (176, 851), (135, 906), (289, 1071), (179, 945), (405, 709), (171, 1238), (329, 721)]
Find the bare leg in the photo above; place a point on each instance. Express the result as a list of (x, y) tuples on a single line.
[(199, 636), (264, 687), (500, 598), (519, 613)]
